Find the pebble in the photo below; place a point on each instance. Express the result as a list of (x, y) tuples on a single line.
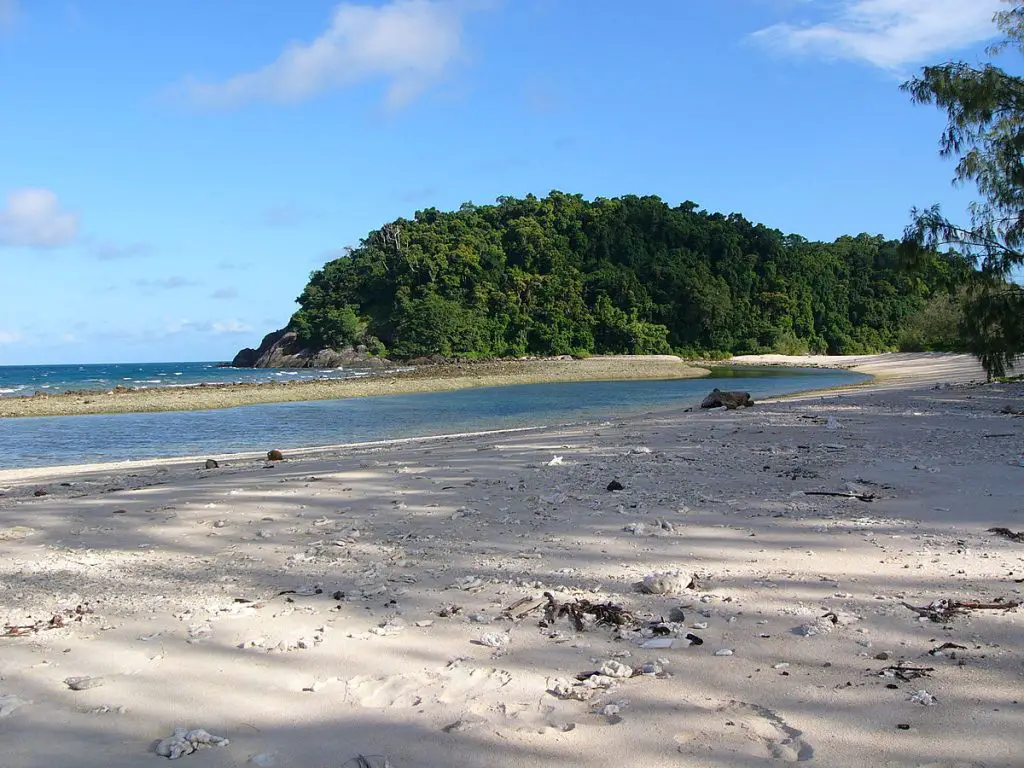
[(493, 640), (666, 583), (724, 652), (924, 698), (83, 683)]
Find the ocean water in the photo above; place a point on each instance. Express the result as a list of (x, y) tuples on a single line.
[(61, 440), (21, 380)]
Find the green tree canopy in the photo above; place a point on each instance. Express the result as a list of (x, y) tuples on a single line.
[(564, 275), (985, 132)]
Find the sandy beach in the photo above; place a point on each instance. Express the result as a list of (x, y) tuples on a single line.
[(433, 378), (810, 580)]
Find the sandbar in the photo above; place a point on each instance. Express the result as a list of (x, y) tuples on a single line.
[(434, 378)]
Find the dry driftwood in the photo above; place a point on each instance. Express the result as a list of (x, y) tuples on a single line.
[(604, 613), (56, 621), (945, 609), (1008, 534), (843, 495), (906, 672)]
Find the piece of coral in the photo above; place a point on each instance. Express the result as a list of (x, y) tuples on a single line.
[(185, 742)]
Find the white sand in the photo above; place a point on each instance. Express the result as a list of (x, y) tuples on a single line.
[(911, 368), (406, 529)]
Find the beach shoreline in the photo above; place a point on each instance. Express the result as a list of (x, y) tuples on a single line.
[(376, 598), (434, 378), (914, 371), (906, 368)]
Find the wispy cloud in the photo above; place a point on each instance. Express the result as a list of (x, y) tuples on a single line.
[(8, 13), (419, 194), (104, 250), (285, 215), (33, 218), (9, 337), (885, 33), (228, 292), (230, 326), (409, 44), (165, 283), (181, 325), (184, 325)]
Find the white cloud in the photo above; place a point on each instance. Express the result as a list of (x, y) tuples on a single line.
[(8, 13), (409, 44), (286, 215), (104, 250), (227, 292), (9, 337), (887, 33), (179, 326), (33, 218), (165, 283), (173, 327), (230, 326)]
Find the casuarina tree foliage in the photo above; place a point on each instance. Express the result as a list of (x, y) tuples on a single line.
[(985, 132), (563, 275)]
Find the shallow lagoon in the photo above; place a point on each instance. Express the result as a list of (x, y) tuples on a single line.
[(61, 440)]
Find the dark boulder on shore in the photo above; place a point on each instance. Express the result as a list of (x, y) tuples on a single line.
[(730, 400), (282, 349)]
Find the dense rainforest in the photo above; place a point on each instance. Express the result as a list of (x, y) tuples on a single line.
[(563, 275)]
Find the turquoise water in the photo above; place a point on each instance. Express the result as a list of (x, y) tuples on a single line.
[(21, 380), (53, 441)]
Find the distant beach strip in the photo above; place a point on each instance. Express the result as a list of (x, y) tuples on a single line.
[(434, 378)]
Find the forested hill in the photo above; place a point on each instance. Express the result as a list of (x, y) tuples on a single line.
[(563, 275)]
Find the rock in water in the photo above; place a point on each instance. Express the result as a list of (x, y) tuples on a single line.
[(731, 400), (275, 455), (212, 464), (283, 349)]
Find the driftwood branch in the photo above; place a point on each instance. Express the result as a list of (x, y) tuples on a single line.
[(843, 495), (1008, 534), (943, 610)]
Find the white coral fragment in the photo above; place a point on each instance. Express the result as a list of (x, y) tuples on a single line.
[(616, 669), (185, 742), (667, 583)]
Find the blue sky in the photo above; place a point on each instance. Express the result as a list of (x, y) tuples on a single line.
[(171, 172)]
